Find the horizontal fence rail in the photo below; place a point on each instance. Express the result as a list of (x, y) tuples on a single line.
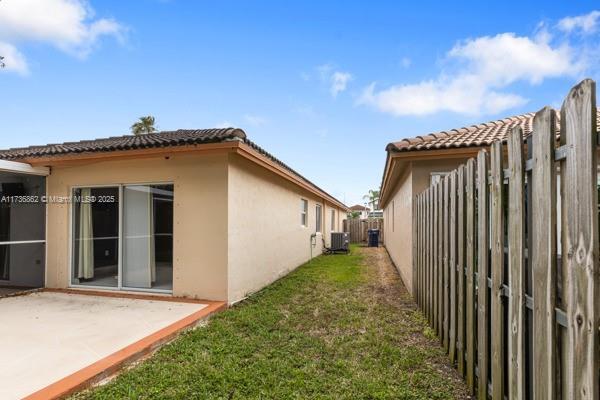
[(505, 259)]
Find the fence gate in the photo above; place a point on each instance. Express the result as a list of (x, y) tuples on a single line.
[(358, 229)]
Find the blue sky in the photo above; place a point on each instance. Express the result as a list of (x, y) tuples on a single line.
[(322, 85)]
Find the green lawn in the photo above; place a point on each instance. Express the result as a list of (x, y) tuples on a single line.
[(338, 327)]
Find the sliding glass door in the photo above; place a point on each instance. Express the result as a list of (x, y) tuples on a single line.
[(123, 237), (22, 231), (96, 237), (148, 237)]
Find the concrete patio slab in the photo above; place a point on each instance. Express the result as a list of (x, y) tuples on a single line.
[(52, 343)]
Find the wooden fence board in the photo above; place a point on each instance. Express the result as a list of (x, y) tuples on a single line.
[(414, 248), (436, 276), (482, 274), (580, 245), (469, 278), (516, 265), (543, 254), (425, 251), (445, 261), (430, 251), (452, 267), (440, 260), (421, 256), (460, 312), (497, 270)]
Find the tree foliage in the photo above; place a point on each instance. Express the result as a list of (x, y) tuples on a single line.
[(372, 198), (144, 126)]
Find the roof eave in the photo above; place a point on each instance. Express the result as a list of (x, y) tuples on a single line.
[(394, 155), (229, 146)]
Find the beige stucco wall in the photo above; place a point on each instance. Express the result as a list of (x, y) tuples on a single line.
[(200, 217), (397, 215), (236, 225), (266, 238), (414, 178)]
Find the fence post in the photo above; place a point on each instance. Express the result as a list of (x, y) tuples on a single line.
[(482, 274), (516, 266), (470, 261), (580, 242)]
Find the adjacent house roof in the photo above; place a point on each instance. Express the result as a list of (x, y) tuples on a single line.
[(466, 140), (479, 135), (181, 137), (358, 207)]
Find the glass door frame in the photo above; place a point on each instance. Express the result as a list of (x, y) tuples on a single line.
[(119, 287)]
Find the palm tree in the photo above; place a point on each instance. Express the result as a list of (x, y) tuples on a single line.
[(372, 198), (143, 126)]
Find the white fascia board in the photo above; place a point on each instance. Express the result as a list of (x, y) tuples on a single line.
[(23, 168)]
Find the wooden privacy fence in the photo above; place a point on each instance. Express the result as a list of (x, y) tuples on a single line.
[(506, 259), (358, 228)]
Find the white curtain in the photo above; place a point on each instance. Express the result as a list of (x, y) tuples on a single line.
[(139, 266), (85, 265)]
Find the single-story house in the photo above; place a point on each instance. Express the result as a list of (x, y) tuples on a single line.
[(204, 214), (413, 164), (362, 210)]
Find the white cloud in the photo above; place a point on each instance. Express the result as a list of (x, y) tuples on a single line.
[(482, 68), (69, 25), (587, 23), (13, 61), (337, 80), (325, 71), (255, 120)]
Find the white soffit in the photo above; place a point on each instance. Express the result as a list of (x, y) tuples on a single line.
[(23, 168)]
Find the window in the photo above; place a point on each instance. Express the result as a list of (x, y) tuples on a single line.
[(436, 177), (123, 237), (332, 220), (303, 212), (318, 218)]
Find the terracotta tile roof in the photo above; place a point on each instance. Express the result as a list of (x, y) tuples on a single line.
[(358, 207), (472, 136), (129, 142), (179, 137)]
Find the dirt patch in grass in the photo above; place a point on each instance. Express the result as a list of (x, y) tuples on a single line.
[(340, 327)]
